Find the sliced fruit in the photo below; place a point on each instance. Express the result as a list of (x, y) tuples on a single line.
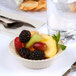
[(51, 46), (18, 44), (40, 46), (34, 38), (33, 32)]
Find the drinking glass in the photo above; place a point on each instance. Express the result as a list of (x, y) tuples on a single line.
[(61, 18)]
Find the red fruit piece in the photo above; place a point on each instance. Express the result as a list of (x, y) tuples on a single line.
[(18, 44), (40, 46)]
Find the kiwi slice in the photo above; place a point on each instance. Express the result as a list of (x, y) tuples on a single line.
[(35, 38)]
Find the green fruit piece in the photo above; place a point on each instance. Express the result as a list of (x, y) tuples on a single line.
[(35, 38)]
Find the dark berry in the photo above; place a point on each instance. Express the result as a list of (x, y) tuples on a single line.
[(24, 52), (36, 55), (25, 36)]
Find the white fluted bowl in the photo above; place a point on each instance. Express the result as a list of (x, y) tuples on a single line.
[(34, 64)]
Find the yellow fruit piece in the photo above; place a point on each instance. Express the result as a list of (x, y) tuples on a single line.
[(51, 46)]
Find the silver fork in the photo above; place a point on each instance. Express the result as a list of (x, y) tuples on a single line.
[(14, 23), (73, 68)]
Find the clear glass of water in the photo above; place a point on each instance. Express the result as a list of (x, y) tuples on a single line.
[(61, 18)]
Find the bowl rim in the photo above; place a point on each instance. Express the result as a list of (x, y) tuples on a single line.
[(12, 47)]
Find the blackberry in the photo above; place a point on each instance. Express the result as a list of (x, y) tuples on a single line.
[(25, 36), (24, 52), (36, 55)]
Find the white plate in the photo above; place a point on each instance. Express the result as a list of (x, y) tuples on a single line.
[(11, 6), (10, 66)]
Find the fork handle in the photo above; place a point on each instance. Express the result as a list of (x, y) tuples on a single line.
[(25, 23), (67, 72), (7, 18)]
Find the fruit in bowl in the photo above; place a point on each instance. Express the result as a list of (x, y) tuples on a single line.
[(36, 50)]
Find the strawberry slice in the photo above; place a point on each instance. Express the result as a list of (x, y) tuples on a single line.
[(18, 44)]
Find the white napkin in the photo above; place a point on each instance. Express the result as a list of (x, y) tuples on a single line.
[(15, 16)]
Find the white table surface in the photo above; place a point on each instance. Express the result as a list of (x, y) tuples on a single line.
[(11, 66)]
